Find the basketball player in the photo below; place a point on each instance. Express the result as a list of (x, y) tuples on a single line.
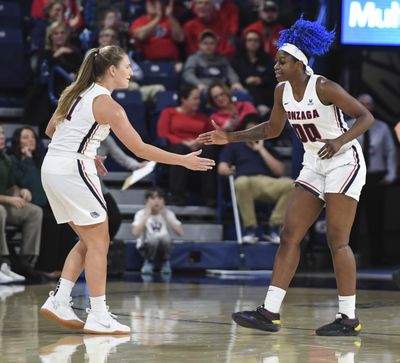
[(84, 116), (333, 172)]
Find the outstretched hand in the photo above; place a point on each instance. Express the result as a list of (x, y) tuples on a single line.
[(193, 162), (330, 148), (101, 169), (217, 136)]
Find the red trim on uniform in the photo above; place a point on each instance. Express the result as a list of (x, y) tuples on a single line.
[(350, 175), (100, 195), (90, 138), (310, 185)]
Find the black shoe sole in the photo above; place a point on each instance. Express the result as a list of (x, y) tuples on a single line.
[(245, 323), (336, 334)]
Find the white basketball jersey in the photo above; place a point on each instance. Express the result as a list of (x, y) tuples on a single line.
[(79, 132), (312, 120)]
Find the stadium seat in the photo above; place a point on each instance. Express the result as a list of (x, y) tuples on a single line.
[(160, 73), (10, 14), (162, 100), (133, 105), (12, 61)]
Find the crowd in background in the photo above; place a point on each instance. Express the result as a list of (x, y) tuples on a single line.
[(223, 57)]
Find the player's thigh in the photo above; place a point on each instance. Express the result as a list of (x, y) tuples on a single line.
[(302, 210), (340, 214)]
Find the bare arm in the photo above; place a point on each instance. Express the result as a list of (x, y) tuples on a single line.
[(177, 227), (138, 228), (266, 130), (107, 111), (331, 93), (276, 166), (145, 31), (224, 169)]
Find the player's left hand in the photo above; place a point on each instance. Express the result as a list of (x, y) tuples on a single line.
[(101, 169), (330, 148)]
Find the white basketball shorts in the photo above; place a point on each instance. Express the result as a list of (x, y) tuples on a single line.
[(73, 190), (344, 173)]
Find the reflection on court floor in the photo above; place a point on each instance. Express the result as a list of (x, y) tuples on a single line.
[(190, 322)]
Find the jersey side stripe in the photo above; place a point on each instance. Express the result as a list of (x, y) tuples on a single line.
[(87, 136), (347, 184)]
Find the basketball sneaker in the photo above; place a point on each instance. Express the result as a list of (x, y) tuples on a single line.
[(62, 350), (104, 323), (5, 269), (260, 319), (61, 312), (147, 268), (342, 326)]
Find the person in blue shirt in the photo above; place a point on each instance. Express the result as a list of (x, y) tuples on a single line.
[(257, 169)]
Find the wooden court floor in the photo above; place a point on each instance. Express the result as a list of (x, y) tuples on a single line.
[(191, 323)]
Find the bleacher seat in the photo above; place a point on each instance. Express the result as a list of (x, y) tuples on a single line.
[(10, 14), (160, 73), (134, 107), (13, 63), (162, 100)]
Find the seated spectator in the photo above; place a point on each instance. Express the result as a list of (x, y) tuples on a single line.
[(112, 18), (207, 65), (229, 114), (57, 52), (208, 18), (157, 33), (72, 12), (109, 36), (256, 71), (16, 209), (26, 161), (181, 126), (151, 226), (267, 26), (258, 170)]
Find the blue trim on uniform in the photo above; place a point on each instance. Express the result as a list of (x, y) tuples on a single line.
[(356, 172), (82, 174), (300, 184), (88, 135)]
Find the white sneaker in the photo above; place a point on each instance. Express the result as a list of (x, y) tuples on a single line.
[(61, 312), (250, 238), (104, 323), (4, 279), (98, 348), (6, 270), (273, 238)]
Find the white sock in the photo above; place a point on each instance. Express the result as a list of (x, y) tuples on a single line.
[(274, 298), (98, 304), (347, 305), (63, 289)]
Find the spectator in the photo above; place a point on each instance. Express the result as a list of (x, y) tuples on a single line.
[(268, 26), (380, 157), (72, 13), (109, 36), (206, 65), (229, 114), (228, 11), (181, 126), (57, 52), (112, 18), (207, 17), (151, 226), (256, 71), (158, 32), (16, 209), (258, 170)]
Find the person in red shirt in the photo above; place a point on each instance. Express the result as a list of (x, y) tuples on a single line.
[(72, 12), (229, 114), (267, 26), (207, 17), (180, 126), (157, 32)]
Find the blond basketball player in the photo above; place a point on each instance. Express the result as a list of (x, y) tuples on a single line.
[(333, 172), (84, 116)]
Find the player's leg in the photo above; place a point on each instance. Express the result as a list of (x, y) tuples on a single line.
[(340, 214), (302, 210)]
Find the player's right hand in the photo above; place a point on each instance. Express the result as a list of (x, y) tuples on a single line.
[(217, 136), (193, 162)]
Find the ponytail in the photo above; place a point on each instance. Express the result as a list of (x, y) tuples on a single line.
[(94, 66)]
